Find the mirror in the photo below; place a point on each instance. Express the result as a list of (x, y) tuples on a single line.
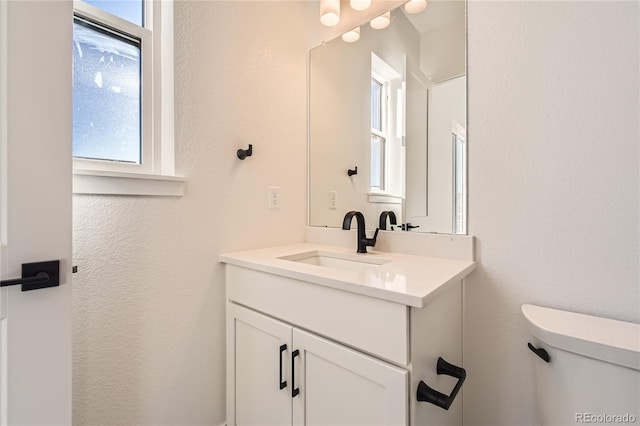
[(387, 123)]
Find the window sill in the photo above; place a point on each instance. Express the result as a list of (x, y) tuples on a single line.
[(119, 183), (383, 197)]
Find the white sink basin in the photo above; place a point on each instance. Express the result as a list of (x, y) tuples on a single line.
[(342, 261)]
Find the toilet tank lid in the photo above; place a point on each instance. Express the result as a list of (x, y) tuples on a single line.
[(613, 341)]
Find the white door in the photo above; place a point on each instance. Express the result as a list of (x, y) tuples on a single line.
[(258, 360), (339, 386), (35, 209)]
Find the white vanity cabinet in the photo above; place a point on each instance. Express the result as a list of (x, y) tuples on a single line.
[(283, 375), (303, 353)]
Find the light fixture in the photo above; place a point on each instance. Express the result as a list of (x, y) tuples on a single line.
[(382, 21), (351, 36), (360, 4), (329, 12), (415, 6)]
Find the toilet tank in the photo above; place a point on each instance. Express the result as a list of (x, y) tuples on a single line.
[(593, 371)]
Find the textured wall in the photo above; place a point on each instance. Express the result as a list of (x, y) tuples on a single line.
[(149, 298), (553, 140), (553, 180)]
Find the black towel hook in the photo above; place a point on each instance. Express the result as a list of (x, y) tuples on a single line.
[(352, 172), (244, 153)]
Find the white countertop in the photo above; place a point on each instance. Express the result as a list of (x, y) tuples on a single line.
[(407, 279)]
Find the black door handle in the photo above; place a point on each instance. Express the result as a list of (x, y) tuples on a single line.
[(37, 275), (294, 391), (427, 394), (283, 383)]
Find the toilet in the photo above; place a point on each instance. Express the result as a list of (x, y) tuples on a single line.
[(587, 368)]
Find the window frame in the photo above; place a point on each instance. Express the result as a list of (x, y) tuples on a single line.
[(382, 140), (459, 165), (380, 134), (157, 168)]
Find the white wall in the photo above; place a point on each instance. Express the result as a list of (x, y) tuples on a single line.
[(553, 183), (553, 139), (442, 51), (149, 296)]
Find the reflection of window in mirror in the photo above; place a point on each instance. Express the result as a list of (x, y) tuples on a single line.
[(386, 174), (459, 179), (378, 133)]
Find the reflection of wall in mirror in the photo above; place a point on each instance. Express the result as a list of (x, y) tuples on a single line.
[(416, 186), (340, 120), (442, 51)]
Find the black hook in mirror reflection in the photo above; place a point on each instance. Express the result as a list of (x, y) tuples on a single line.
[(244, 153)]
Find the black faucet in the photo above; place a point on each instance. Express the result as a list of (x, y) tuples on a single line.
[(363, 241), (383, 219)]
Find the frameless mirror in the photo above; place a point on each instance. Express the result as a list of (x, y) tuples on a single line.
[(387, 122)]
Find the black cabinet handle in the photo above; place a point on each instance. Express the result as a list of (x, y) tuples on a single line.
[(540, 352), (427, 394), (294, 391), (283, 383)]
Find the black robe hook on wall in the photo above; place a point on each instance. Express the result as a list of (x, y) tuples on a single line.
[(244, 153), (352, 172)]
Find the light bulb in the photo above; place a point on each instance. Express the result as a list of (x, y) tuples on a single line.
[(415, 6), (351, 36), (360, 4), (329, 12), (382, 21)]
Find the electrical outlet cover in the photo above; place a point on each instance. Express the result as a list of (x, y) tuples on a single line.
[(274, 197)]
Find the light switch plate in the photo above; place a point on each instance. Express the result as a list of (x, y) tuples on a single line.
[(274, 197), (333, 200)]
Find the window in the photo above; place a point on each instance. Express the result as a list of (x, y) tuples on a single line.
[(378, 134), (107, 104), (122, 89), (385, 147)]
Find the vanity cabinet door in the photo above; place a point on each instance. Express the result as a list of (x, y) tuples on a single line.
[(340, 386), (258, 369)]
